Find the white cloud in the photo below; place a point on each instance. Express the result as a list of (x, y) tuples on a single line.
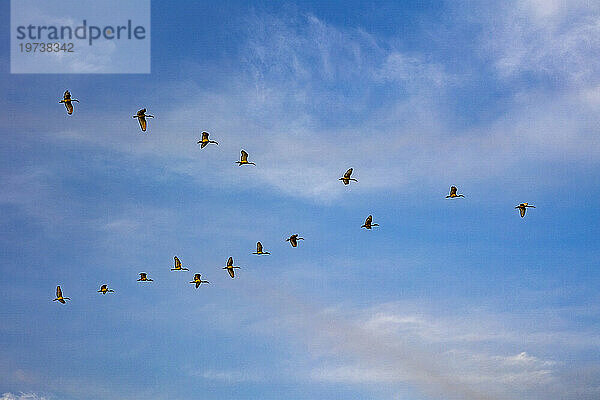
[(228, 376), (466, 354), (22, 396), (545, 37), (311, 99)]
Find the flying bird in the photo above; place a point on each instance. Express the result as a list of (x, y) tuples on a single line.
[(178, 265), (369, 223), (259, 249), (523, 207), (59, 296), (141, 116), (346, 178), (453, 194), (198, 280), (294, 240), (204, 141), (144, 277), (230, 267), (104, 289), (68, 102), (244, 159)]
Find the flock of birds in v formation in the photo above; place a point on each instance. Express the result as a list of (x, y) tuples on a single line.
[(293, 239)]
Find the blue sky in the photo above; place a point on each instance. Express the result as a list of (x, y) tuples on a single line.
[(447, 299)]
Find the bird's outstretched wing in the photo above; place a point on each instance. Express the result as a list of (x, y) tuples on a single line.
[(69, 106), (205, 136), (230, 262), (453, 190), (231, 272), (244, 156), (58, 292), (369, 220), (259, 247), (348, 173), (522, 211), (177, 262)]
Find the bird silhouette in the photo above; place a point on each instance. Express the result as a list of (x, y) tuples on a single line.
[(204, 141), (294, 240), (198, 280), (523, 207), (346, 178), (244, 159), (104, 289), (144, 277), (259, 249), (59, 296), (369, 223), (230, 267), (141, 116), (178, 265), (68, 102), (453, 194)]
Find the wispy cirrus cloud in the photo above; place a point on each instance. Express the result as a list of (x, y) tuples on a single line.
[(466, 354), (311, 99), (228, 376), (554, 39), (22, 396)]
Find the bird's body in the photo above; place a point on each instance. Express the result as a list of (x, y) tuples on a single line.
[(198, 280), (144, 277), (178, 265), (523, 207), (104, 289), (230, 267), (205, 141), (244, 159), (59, 296), (259, 249), (68, 102), (141, 116), (453, 194), (347, 177), (294, 240), (369, 223)]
